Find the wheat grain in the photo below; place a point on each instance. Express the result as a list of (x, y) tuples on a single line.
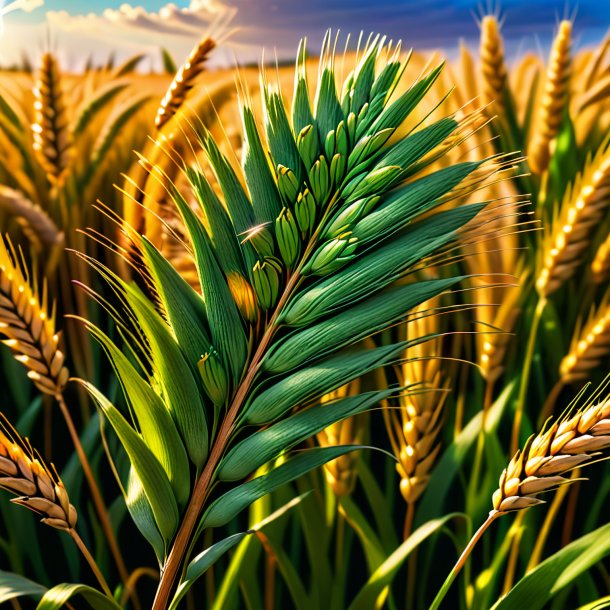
[(581, 210), (493, 66), (183, 81), (340, 473), (37, 486), (414, 426), (600, 266), (27, 324), (554, 99), (52, 138), (571, 442), (589, 345)]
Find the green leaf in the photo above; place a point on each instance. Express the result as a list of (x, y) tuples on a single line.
[(185, 309), (263, 189), (13, 586), (154, 421), (312, 382), (169, 65), (374, 270), (95, 106), (354, 324), (154, 480), (128, 66), (142, 514), (230, 504), (264, 445), (385, 573), (226, 327), (560, 570), (60, 595), (200, 564)]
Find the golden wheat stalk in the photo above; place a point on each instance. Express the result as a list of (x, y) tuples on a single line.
[(571, 442), (589, 346), (184, 81), (581, 210), (493, 66), (29, 327), (37, 486), (52, 137), (341, 473), (554, 99), (37, 225)]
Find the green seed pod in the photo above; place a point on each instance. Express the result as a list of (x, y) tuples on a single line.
[(287, 236), (342, 146), (332, 255), (349, 216), (307, 144), (351, 127), (266, 276), (319, 178), (305, 212), (338, 166), (368, 146), (214, 378), (330, 144), (377, 181), (262, 240), (287, 184)]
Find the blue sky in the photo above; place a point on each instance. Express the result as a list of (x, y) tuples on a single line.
[(280, 23)]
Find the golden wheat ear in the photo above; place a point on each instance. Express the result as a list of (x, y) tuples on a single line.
[(493, 66), (37, 486), (549, 455), (554, 99), (51, 132), (28, 325), (183, 81)]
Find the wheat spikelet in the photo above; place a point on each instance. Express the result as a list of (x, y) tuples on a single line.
[(589, 345), (183, 81), (37, 486), (581, 210), (493, 66), (600, 266), (571, 442), (340, 473), (35, 222), (413, 427), (27, 324), (52, 139), (554, 99)]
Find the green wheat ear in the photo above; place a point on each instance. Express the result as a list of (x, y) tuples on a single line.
[(314, 254)]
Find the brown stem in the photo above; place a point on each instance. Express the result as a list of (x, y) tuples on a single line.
[(132, 581), (87, 555), (511, 566), (202, 486), (96, 496)]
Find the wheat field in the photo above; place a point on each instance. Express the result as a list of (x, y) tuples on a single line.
[(305, 336)]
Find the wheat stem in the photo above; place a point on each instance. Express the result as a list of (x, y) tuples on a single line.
[(525, 373), (96, 495), (89, 558), (493, 515)]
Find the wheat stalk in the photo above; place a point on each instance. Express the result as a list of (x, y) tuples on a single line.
[(52, 138), (38, 487), (183, 81), (340, 473), (589, 345), (571, 442), (493, 66), (554, 99), (29, 327), (580, 212)]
